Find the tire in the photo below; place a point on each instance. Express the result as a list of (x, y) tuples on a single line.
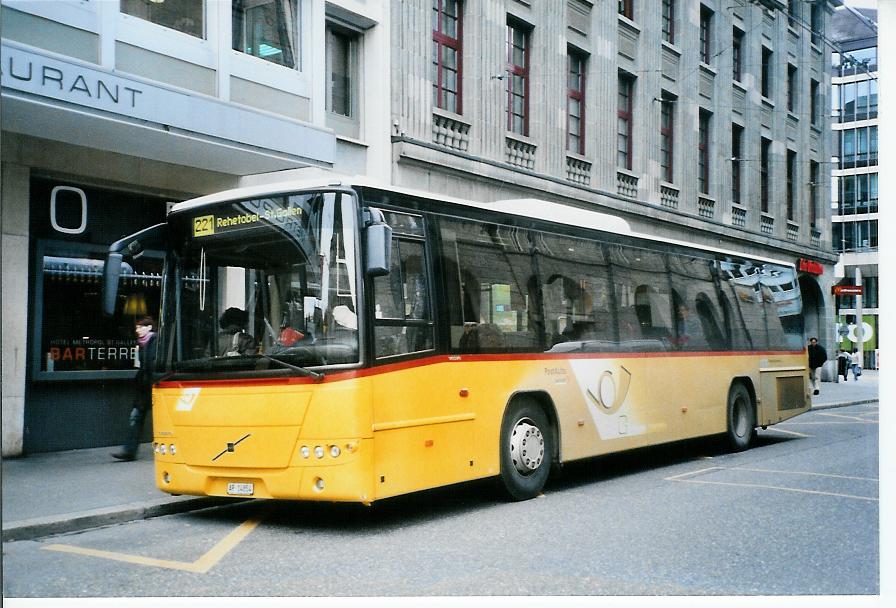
[(741, 427), (527, 449)]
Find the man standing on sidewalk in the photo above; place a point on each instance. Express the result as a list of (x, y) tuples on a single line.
[(817, 356)]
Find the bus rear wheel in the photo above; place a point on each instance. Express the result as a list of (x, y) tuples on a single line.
[(526, 449), (741, 418)]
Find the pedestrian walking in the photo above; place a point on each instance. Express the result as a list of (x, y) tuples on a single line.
[(856, 361), (146, 357), (843, 362), (817, 356)]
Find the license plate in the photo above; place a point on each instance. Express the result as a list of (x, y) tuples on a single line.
[(241, 489)]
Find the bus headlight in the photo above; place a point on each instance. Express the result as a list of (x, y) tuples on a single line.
[(319, 451), (163, 449), (305, 451), (335, 451), (173, 449)]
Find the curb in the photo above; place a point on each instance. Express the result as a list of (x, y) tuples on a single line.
[(29, 529)]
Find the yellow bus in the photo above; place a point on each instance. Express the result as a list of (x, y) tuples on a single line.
[(351, 342)]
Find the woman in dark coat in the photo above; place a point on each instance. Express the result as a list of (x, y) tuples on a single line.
[(146, 354)]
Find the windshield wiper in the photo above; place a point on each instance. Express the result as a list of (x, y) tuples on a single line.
[(318, 376)]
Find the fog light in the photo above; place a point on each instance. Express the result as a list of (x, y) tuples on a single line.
[(335, 451), (305, 451), (319, 484), (318, 451), (166, 477)]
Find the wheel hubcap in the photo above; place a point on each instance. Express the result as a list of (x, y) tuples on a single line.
[(526, 447)]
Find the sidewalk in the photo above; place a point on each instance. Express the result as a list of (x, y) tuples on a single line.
[(60, 492)]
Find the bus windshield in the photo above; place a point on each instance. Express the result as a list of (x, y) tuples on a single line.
[(262, 284)]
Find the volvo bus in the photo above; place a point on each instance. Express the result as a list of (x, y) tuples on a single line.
[(347, 341)]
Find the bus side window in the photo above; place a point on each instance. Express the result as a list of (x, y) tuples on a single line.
[(402, 306), (489, 287)]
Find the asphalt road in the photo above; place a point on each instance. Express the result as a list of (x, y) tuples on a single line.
[(796, 515)]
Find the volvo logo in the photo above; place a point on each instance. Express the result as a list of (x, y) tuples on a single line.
[(231, 447)]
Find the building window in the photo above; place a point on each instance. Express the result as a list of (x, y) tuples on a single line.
[(816, 22), (446, 55), (737, 141), (185, 16), (624, 121), (517, 78), (814, 116), (792, 87), (71, 339), (667, 133), (705, 35), (737, 61), (814, 183), (703, 151), (575, 102), (764, 176), (669, 21), (791, 184), (793, 12), (627, 8), (766, 75), (342, 73), (268, 29)]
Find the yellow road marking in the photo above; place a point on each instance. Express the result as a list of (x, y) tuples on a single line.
[(856, 418), (805, 473), (782, 488), (770, 487), (831, 422), (780, 430), (201, 565)]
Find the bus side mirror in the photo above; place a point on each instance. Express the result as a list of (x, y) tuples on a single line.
[(378, 245), (111, 274)]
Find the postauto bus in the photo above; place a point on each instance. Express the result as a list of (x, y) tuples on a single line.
[(350, 342)]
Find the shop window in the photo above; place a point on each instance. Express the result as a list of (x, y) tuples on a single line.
[(74, 336), (73, 227), (187, 16), (268, 29)]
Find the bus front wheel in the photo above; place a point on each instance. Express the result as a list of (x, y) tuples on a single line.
[(741, 418), (526, 449)]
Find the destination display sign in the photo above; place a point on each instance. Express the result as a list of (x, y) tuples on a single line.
[(285, 212)]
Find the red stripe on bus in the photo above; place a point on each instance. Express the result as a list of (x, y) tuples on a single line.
[(438, 359)]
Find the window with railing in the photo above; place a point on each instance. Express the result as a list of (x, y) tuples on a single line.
[(737, 140), (791, 184), (667, 134), (765, 147), (703, 150), (668, 18), (447, 57), (575, 101), (517, 77), (624, 104)]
